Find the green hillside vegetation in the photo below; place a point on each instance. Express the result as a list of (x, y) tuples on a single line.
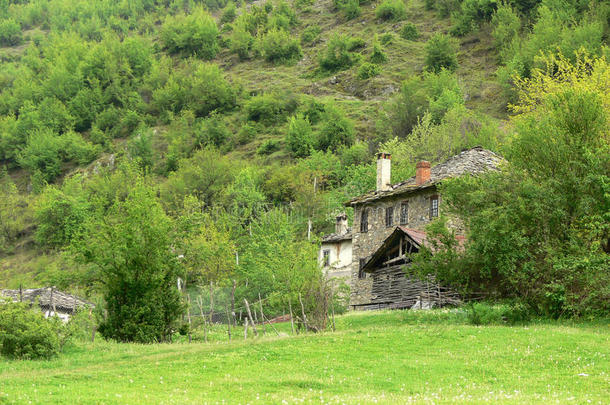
[(226, 126), (381, 357)]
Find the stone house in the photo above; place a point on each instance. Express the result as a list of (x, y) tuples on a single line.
[(335, 256), (402, 211)]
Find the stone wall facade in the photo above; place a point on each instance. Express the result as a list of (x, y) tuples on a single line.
[(364, 244)]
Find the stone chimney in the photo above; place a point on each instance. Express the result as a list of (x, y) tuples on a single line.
[(384, 171), (422, 172), (341, 224)]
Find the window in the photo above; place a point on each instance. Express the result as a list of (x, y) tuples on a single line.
[(326, 258), (404, 213), (364, 220), (361, 273), (433, 206), (389, 216)]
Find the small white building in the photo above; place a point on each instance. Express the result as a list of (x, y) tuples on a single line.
[(335, 254)]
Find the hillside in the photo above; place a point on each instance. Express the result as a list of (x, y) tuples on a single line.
[(261, 116), (387, 358)]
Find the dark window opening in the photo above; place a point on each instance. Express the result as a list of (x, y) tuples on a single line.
[(364, 221), (361, 273), (434, 206), (326, 258), (404, 213), (389, 216)]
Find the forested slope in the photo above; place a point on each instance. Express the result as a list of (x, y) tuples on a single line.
[(242, 121)]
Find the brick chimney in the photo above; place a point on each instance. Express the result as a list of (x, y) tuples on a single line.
[(341, 224), (422, 172), (384, 171)]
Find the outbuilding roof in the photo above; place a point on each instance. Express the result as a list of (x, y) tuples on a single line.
[(337, 237), (47, 298), (471, 161)]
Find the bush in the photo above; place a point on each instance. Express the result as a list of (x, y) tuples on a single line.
[(269, 146), (299, 137), (26, 334), (409, 32), (213, 131), (201, 88), (394, 10), (268, 108), (506, 24), (280, 47), (472, 13), (60, 214), (247, 133), (351, 9), (368, 70), (310, 35), (441, 53), (10, 33), (387, 38), (337, 55), (484, 314), (377, 55), (193, 34), (42, 154), (337, 130), (241, 42), (229, 13)]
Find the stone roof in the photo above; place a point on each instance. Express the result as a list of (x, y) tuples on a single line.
[(63, 301), (336, 237), (471, 161)]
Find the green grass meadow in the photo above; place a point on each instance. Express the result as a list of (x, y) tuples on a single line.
[(376, 357)]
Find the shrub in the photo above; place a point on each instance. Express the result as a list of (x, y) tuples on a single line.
[(267, 108), (193, 34), (310, 35), (268, 147), (247, 133), (355, 43), (394, 10), (337, 55), (213, 131), (299, 137), (409, 32), (484, 314), (60, 214), (229, 13), (10, 32), (26, 334), (441, 53), (337, 130), (241, 41), (377, 55), (472, 13), (506, 24), (42, 154), (368, 70), (201, 88), (280, 47), (387, 38), (351, 9)]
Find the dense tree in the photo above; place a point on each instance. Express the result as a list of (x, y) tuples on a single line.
[(538, 230), (132, 250)]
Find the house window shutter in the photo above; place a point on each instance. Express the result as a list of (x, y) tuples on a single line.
[(433, 206), (389, 216), (364, 221), (361, 273), (404, 213)]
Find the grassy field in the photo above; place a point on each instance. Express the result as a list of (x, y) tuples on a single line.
[(385, 357)]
